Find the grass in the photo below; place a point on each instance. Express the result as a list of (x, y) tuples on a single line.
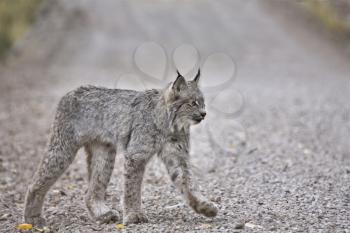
[(328, 14), (15, 18)]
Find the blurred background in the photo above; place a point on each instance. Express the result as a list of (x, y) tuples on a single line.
[(274, 150)]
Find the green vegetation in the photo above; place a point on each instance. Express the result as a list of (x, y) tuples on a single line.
[(15, 18), (331, 14)]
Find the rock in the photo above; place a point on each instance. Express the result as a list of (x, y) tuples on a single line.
[(238, 226)]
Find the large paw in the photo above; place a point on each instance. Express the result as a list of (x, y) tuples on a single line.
[(134, 217), (108, 217), (206, 208), (36, 221), (100, 212)]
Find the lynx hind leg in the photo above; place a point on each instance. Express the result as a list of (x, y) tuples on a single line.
[(51, 168), (100, 161)]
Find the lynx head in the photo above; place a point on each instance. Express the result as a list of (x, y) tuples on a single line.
[(185, 101)]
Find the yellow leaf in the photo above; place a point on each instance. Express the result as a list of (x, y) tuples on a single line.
[(120, 226), (25, 226)]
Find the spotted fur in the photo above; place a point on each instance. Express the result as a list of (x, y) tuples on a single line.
[(138, 125)]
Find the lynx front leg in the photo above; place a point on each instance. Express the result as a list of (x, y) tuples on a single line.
[(133, 175), (100, 167), (178, 168)]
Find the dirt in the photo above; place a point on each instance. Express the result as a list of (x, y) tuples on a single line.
[(293, 171)]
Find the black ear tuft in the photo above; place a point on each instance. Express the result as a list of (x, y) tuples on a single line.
[(178, 73), (198, 75)]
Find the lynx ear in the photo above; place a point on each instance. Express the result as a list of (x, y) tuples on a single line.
[(198, 75), (179, 84)]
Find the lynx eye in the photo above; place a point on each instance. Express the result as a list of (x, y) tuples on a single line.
[(195, 103)]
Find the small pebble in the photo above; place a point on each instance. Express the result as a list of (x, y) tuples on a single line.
[(238, 226)]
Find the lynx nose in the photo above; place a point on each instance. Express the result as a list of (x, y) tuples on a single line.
[(203, 114)]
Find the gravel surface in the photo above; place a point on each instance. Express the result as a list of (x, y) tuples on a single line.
[(291, 175)]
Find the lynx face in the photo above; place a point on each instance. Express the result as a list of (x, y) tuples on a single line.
[(186, 101)]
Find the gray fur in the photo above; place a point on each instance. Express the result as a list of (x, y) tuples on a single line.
[(138, 125)]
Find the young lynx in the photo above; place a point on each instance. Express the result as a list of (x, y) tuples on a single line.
[(138, 125)]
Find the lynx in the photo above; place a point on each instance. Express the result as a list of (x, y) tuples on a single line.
[(136, 124)]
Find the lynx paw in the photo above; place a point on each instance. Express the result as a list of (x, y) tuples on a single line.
[(107, 217), (134, 217), (36, 221), (101, 213), (206, 208)]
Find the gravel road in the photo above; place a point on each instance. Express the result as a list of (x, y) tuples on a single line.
[(293, 174)]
